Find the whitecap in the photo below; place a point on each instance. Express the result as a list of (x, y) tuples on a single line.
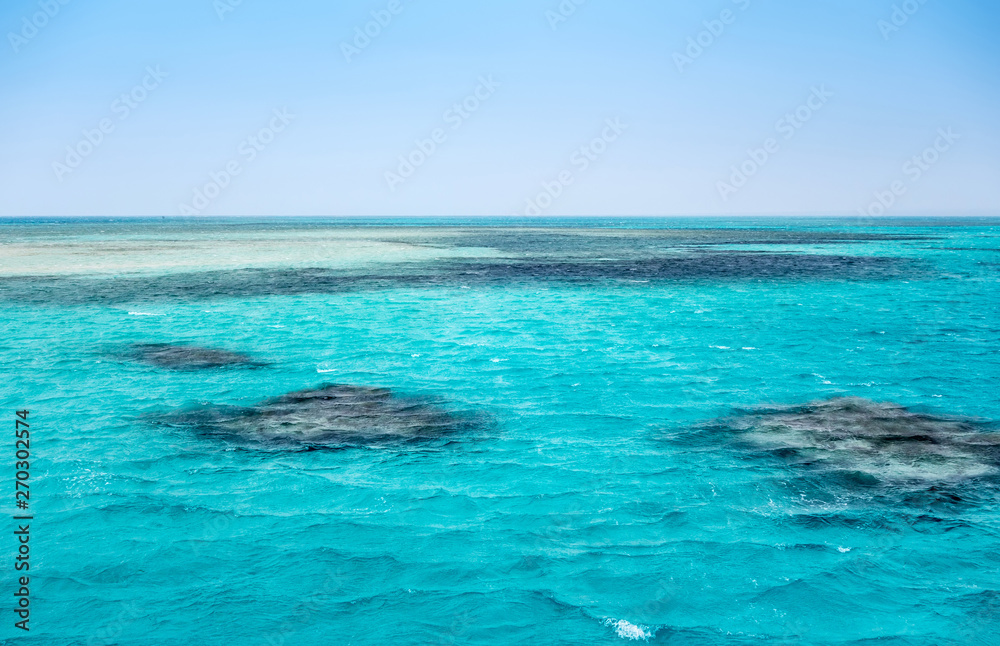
[(628, 630), (143, 314)]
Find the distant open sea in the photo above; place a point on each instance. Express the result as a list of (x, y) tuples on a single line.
[(493, 431)]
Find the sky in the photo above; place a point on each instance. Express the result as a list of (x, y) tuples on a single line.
[(513, 107)]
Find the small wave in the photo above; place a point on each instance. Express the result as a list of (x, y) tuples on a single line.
[(143, 314), (628, 630)]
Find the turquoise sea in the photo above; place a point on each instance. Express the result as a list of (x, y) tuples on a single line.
[(586, 431)]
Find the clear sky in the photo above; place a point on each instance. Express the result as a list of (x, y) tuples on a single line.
[(579, 107)]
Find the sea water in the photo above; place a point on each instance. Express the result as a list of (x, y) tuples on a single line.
[(622, 471)]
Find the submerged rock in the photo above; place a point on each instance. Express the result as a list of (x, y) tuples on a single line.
[(873, 442), (332, 414), (551, 264), (187, 357)]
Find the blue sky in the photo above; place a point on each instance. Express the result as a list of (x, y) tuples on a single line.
[(265, 90)]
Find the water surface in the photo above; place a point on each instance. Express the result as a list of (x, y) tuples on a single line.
[(560, 432)]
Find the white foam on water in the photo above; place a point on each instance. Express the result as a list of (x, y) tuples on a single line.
[(143, 314), (627, 630)]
